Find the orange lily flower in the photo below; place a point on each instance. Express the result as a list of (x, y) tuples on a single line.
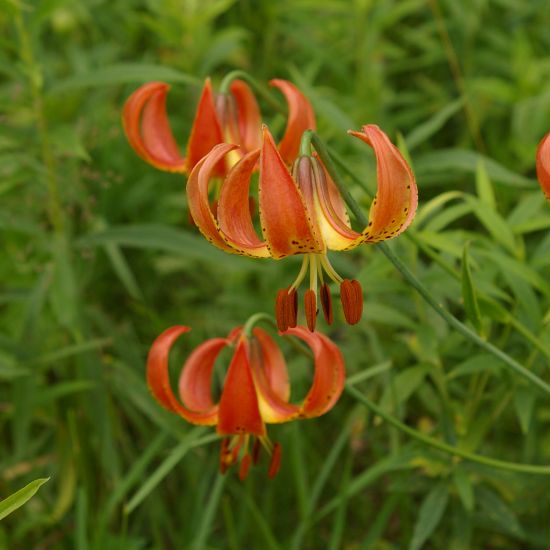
[(230, 118), (256, 389), (302, 212), (543, 165)]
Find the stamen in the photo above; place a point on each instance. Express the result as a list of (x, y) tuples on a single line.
[(310, 302), (326, 302), (245, 466), (286, 308), (313, 272), (225, 455), (327, 266), (351, 296), (236, 448), (281, 306), (256, 451), (301, 273), (292, 307), (275, 463)]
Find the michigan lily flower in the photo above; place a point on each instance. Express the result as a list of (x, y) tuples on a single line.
[(543, 165), (222, 118), (255, 392), (302, 212)]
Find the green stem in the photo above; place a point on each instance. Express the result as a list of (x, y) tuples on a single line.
[(416, 284), (34, 76), (255, 319), (262, 90), (480, 459)]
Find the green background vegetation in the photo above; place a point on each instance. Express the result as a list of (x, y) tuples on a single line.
[(98, 259)]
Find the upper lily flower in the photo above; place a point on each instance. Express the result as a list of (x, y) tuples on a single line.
[(256, 389), (302, 212), (231, 118), (543, 165)]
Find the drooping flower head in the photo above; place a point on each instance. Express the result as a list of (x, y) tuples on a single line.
[(256, 390), (220, 118), (301, 212), (543, 165)]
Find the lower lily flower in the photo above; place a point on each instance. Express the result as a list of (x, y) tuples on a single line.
[(230, 118), (255, 392), (302, 212), (543, 165)]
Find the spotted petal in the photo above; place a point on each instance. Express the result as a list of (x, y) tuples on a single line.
[(158, 380), (395, 203), (329, 376), (234, 216), (543, 165), (197, 196), (239, 412), (286, 224), (301, 117)]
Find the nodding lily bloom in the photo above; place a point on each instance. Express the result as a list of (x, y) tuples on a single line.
[(223, 118), (543, 165), (255, 392), (302, 212)]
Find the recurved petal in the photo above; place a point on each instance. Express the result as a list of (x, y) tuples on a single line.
[(147, 128), (301, 117), (206, 131), (273, 365), (239, 412), (196, 375), (158, 379), (332, 217), (543, 165), (271, 379), (394, 205), (197, 196), (286, 224), (234, 216), (248, 116), (329, 376)]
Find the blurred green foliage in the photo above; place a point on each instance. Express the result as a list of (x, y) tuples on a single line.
[(98, 259)]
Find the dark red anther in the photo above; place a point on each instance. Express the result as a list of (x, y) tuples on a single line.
[(326, 302), (245, 466), (292, 308), (281, 306), (275, 463), (310, 302), (351, 296)]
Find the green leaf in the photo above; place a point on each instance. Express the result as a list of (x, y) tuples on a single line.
[(469, 296), (464, 489), (403, 386), (484, 188), (10, 504), (445, 160), (524, 401), (431, 512), (167, 239), (498, 512), (478, 363), (123, 73), (494, 223), (426, 130)]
